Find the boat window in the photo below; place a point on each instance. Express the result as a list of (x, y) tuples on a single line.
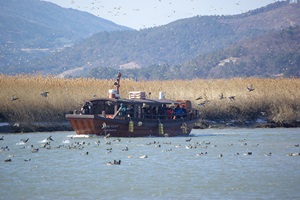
[(126, 110), (101, 106)]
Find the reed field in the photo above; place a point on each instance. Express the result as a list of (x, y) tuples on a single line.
[(275, 100)]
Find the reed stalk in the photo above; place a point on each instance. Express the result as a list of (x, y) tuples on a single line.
[(276, 100)]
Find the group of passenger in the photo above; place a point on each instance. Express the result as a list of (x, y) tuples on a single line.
[(146, 111), (164, 112), (177, 112), (126, 111)]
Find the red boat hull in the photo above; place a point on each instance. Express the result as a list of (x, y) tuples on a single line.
[(95, 124)]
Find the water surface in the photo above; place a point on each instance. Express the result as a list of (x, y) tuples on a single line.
[(211, 164)]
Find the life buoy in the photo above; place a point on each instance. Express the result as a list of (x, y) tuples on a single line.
[(130, 126), (160, 128), (184, 128)]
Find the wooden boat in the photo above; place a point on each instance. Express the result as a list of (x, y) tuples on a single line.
[(136, 116)]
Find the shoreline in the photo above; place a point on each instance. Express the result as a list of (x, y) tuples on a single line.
[(205, 124), (6, 127)]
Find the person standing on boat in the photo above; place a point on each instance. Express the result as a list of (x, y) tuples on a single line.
[(130, 111), (123, 110), (86, 108), (170, 113), (153, 112), (162, 111), (145, 110), (184, 111), (178, 112)]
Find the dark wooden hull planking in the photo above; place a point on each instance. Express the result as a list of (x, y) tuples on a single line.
[(98, 125)]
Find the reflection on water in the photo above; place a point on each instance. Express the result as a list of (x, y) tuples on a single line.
[(211, 164)]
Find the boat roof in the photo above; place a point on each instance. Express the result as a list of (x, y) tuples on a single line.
[(137, 101)]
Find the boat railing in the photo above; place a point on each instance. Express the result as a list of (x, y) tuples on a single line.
[(155, 117)]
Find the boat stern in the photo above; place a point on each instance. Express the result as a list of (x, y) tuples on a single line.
[(84, 124)]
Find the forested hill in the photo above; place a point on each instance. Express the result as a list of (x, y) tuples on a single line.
[(32, 28), (196, 45), (263, 42), (35, 23)]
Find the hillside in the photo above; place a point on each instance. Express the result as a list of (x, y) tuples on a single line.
[(274, 54), (33, 28), (262, 43), (178, 46)]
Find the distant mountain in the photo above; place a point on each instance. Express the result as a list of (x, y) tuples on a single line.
[(30, 28), (262, 42)]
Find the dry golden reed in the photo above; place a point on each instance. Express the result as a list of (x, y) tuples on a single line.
[(277, 100)]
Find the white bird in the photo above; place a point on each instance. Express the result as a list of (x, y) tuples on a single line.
[(13, 98), (144, 156), (35, 150)]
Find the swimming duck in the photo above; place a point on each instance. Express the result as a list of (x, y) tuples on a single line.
[(144, 156), (50, 138), (126, 149), (24, 140), (34, 150), (115, 162), (293, 154)]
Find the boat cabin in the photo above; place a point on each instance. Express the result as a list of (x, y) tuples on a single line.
[(138, 107)]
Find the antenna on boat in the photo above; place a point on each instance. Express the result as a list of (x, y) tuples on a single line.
[(117, 84)]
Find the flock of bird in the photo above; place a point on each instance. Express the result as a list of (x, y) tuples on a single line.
[(232, 98), (43, 94), (250, 88), (110, 145), (170, 9)]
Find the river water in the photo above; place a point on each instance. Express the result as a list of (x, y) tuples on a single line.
[(211, 164)]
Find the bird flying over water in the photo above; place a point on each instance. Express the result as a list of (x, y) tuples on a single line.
[(24, 140), (50, 138)]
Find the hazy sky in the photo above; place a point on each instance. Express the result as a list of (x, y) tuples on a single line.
[(139, 14)]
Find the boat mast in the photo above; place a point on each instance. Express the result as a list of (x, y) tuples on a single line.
[(117, 84)]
